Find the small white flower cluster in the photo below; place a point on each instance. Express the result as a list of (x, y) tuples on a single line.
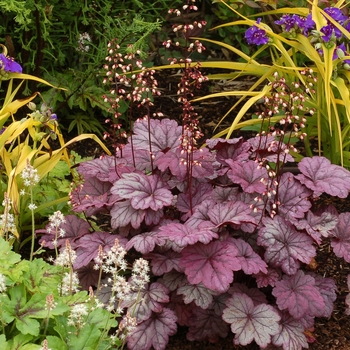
[(55, 221), (2, 283), (67, 256), (7, 220), (30, 175), (45, 345), (82, 40), (77, 316), (70, 284)]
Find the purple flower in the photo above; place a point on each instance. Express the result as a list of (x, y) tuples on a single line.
[(256, 36), (304, 24), (336, 14), (9, 65), (330, 31), (288, 22)]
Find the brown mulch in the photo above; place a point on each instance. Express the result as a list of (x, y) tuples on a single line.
[(330, 334)]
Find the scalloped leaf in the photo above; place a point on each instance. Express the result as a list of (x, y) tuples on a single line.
[(299, 295), (183, 235), (123, 214), (285, 246), (165, 134), (291, 335), (206, 325), (340, 240), (320, 176), (145, 242), (153, 332), (250, 322), (212, 264), (231, 213), (164, 262), (293, 197), (88, 246), (248, 175), (249, 260), (198, 293), (144, 191)]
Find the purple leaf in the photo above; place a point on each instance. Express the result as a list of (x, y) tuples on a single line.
[(145, 242), (93, 195), (284, 245), (206, 325), (235, 149), (153, 332), (183, 235), (100, 167), (247, 175), (299, 295), (182, 311), (200, 214), (340, 241), (327, 288), (74, 228), (143, 191), (291, 335), (173, 280), (317, 226), (232, 212), (201, 193), (320, 176), (268, 279), (198, 293), (88, 246), (212, 264), (144, 302), (164, 262), (249, 260), (257, 296), (250, 322), (293, 197), (165, 134), (122, 214), (88, 276), (267, 147), (172, 160)]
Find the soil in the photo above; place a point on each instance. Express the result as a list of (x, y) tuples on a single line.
[(328, 334)]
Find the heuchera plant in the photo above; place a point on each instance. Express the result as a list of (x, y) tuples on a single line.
[(237, 258), (229, 232)]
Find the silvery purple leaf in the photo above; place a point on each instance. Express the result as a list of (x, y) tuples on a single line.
[(291, 335), (153, 332), (144, 191), (340, 237), (123, 214), (299, 295), (293, 197), (248, 175), (319, 175), (197, 293), (249, 260), (212, 264), (285, 246), (165, 134), (251, 322)]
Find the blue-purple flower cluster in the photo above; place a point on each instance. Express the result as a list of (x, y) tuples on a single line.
[(294, 24)]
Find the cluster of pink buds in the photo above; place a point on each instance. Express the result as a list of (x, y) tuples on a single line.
[(130, 84), (186, 31), (191, 78), (289, 100)]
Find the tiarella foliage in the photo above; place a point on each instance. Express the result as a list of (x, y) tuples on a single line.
[(226, 250)]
